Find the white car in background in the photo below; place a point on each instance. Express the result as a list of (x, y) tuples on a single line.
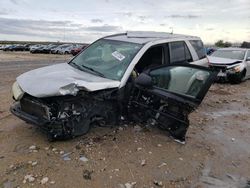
[(67, 49), (58, 49), (233, 64)]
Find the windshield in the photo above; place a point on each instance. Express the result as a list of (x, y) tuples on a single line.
[(107, 58), (231, 54)]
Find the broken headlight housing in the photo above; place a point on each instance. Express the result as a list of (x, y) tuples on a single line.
[(235, 68), (17, 91)]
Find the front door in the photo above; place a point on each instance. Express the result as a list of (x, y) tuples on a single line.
[(167, 94)]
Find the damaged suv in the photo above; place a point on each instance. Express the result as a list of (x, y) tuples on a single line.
[(136, 76)]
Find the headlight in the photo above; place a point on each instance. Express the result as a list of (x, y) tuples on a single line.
[(17, 92), (236, 68)]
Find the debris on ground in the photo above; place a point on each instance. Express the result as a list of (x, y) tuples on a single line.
[(66, 157), (44, 180), (143, 162), (30, 178), (158, 183), (87, 174), (130, 185), (83, 159), (32, 163), (33, 149), (137, 128), (162, 164), (52, 182), (139, 149)]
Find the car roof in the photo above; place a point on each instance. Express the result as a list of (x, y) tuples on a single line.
[(143, 37)]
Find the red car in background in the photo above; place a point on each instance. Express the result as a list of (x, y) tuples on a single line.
[(75, 51)]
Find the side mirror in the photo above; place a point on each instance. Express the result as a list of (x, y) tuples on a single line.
[(144, 80), (248, 59)]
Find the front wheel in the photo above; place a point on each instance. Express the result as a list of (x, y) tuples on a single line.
[(237, 79)]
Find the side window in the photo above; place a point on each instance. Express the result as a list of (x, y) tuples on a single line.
[(199, 48), (182, 80), (152, 57), (248, 54), (179, 52)]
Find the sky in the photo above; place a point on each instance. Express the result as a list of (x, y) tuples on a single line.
[(86, 21)]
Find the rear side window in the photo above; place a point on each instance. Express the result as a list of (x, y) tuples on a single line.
[(248, 54), (179, 52), (199, 48)]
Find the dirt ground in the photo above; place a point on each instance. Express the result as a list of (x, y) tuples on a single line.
[(216, 154)]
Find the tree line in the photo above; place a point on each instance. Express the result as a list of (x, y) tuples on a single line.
[(224, 44)]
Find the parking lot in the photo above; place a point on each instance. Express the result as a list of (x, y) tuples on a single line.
[(216, 154)]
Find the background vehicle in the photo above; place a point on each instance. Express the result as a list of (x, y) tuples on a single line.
[(77, 49), (33, 47), (47, 49), (210, 50), (9, 47), (67, 49), (37, 49), (233, 64), (59, 48), (18, 47)]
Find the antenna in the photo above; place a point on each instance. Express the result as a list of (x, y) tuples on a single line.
[(172, 30)]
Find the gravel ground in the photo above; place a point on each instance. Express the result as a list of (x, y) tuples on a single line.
[(216, 154)]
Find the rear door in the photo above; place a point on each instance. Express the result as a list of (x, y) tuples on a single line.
[(248, 64), (175, 92)]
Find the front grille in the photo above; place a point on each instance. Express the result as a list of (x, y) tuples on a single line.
[(218, 68), (34, 108)]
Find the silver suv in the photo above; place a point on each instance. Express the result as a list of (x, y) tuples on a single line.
[(134, 76)]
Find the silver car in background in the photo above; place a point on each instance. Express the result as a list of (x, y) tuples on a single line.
[(233, 64)]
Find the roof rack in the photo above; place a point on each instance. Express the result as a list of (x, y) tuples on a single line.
[(147, 34)]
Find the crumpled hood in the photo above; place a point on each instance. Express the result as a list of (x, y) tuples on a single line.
[(61, 79), (222, 61)]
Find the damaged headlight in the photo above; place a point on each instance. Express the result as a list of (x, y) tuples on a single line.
[(235, 68), (17, 92)]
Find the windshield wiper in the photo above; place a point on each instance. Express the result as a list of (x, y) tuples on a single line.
[(93, 70), (76, 65)]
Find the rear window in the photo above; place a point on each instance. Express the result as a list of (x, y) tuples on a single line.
[(199, 48)]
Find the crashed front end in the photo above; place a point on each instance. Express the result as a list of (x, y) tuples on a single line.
[(66, 107), (66, 116), (228, 72)]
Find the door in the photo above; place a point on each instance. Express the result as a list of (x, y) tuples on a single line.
[(167, 94), (248, 64)]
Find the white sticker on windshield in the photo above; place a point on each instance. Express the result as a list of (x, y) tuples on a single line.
[(118, 55)]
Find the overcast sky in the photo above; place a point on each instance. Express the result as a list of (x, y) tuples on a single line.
[(85, 21)]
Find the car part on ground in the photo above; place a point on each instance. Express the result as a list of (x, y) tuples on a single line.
[(124, 75)]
